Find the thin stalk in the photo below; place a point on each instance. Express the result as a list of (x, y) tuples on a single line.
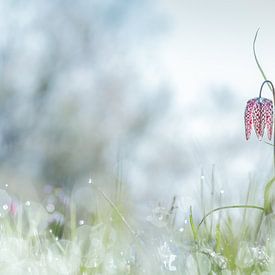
[(202, 192), (72, 219), (255, 55), (212, 195), (132, 231), (273, 93), (229, 207), (193, 227), (172, 211), (267, 196)]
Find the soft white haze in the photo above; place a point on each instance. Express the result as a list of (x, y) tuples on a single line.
[(160, 86)]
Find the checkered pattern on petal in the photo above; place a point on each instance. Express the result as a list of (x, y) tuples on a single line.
[(248, 118), (258, 118), (268, 116)]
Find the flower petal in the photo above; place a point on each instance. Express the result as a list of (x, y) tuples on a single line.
[(268, 116), (248, 117), (258, 118)]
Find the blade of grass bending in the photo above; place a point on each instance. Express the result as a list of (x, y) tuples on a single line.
[(229, 207), (267, 204)]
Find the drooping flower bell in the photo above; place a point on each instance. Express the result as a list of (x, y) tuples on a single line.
[(259, 113)]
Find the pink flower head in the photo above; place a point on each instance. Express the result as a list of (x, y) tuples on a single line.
[(259, 113)]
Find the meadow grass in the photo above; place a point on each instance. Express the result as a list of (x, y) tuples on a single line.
[(103, 234)]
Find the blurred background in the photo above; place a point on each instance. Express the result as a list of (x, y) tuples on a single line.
[(150, 93)]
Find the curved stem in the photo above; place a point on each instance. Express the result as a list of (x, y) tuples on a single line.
[(270, 85), (229, 207), (255, 55)]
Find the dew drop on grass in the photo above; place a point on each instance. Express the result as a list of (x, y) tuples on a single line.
[(5, 201), (27, 203), (50, 207), (260, 256), (81, 222)]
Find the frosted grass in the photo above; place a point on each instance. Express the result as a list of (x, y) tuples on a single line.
[(89, 232)]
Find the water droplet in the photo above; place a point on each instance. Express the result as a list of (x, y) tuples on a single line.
[(202, 177), (29, 269), (27, 203), (185, 221), (222, 192), (81, 222), (6, 185), (90, 181), (181, 229), (50, 207), (50, 231), (56, 238), (5, 202)]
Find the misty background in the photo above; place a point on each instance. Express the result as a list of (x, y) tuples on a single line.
[(150, 92)]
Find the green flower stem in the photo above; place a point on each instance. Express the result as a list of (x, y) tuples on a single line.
[(270, 87)]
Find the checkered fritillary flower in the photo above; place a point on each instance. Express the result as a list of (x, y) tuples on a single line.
[(259, 114)]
